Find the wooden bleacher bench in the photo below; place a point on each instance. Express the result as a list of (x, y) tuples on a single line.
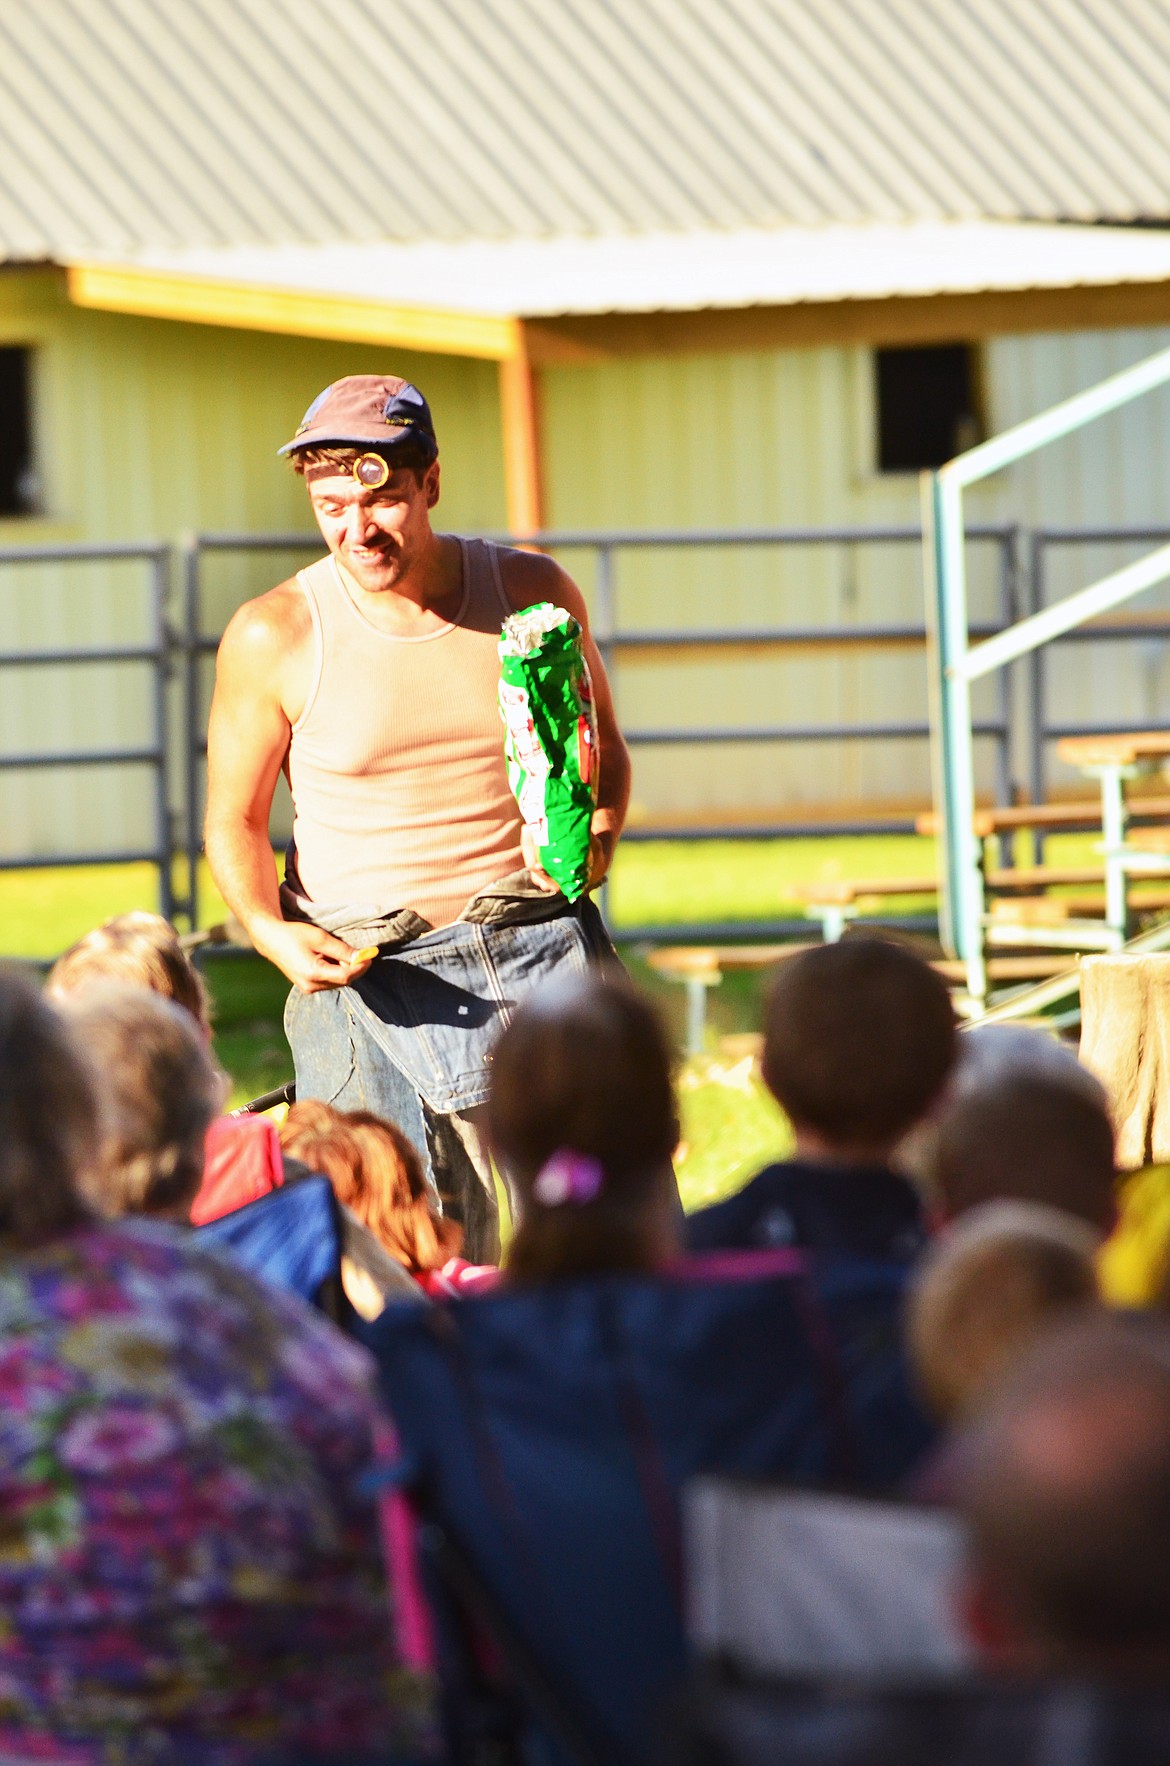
[(1024, 877), (1006, 818), (834, 900), (697, 967), (1022, 911), (1039, 910), (680, 961), (1114, 759), (1116, 748), (1016, 969), (846, 890), (700, 966), (1150, 839)]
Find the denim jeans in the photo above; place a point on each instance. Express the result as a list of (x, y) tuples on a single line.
[(411, 1039)]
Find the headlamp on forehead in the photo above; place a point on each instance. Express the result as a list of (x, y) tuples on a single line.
[(371, 471)]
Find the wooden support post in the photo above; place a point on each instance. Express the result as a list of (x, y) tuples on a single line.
[(1125, 1041), (520, 414)]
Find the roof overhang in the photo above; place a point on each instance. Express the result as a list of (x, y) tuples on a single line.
[(473, 297), (205, 297)]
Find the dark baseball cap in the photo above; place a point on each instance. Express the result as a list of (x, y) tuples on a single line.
[(366, 411)]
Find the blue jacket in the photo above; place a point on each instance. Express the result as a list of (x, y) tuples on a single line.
[(806, 1205)]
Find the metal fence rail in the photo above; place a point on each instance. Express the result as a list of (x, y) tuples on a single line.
[(1042, 542), (174, 654), (198, 643), (156, 653), (614, 641)]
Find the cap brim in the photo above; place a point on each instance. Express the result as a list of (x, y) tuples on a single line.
[(329, 438)]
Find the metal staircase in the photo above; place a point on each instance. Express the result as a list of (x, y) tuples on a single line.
[(955, 663)]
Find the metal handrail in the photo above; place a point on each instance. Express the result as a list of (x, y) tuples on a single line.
[(957, 663)]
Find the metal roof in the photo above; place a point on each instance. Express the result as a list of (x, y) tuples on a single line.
[(661, 272), (140, 124)]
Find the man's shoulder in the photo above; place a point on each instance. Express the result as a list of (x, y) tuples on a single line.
[(533, 576), (276, 621)]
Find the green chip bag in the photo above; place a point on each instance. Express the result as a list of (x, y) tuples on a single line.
[(550, 742)]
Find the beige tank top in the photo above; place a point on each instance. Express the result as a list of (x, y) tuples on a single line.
[(396, 763)]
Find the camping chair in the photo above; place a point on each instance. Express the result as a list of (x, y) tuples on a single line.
[(292, 1238), (787, 1584), (547, 1435), (829, 1632), (296, 1236), (970, 1722)]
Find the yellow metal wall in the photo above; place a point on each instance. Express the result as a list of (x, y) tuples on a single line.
[(786, 438), (146, 430)]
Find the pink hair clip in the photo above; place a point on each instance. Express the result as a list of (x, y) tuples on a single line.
[(568, 1176)]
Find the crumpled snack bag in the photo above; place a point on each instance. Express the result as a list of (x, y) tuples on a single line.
[(550, 742)]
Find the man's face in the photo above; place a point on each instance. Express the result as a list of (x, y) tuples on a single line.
[(378, 535)]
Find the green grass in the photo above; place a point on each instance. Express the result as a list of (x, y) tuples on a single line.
[(660, 883), (43, 912), (730, 1125), (249, 996)]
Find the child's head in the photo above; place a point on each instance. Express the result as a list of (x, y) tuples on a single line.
[(582, 1115), (376, 1172), (141, 950), (158, 1090), (985, 1289), (49, 1129), (989, 1055), (1031, 1136), (859, 1037)]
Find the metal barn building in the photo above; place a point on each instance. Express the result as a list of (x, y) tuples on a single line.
[(660, 267)]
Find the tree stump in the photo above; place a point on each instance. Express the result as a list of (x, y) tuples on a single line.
[(1125, 1041)]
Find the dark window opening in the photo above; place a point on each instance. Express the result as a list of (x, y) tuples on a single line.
[(927, 405), (18, 483)]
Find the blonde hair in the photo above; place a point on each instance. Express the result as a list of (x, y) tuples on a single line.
[(48, 1118), (140, 949), (985, 1289), (158, 1091), (377, 1173)]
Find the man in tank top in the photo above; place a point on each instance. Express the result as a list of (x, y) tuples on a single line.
[(413, 911)]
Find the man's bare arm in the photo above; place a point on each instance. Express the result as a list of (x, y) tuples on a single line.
[(530, 577), (247, 741)]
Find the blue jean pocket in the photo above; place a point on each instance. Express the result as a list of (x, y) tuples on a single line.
[(437, 1006)]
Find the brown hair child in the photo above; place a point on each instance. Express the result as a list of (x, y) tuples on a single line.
[(859, 1039)]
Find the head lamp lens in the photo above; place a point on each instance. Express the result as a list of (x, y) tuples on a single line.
[(371, 471)]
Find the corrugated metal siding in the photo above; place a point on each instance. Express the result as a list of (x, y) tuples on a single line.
[(149, 430), (128, 123), (1116, 473), (785, 439)]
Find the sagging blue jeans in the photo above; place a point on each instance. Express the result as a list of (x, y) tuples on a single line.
[(411, 1039)]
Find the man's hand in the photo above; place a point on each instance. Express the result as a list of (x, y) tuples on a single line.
[(600, 853), (601, 845), (312, 959)]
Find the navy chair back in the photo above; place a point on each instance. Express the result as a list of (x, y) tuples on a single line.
[(549, 1434), (291, 1237)]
